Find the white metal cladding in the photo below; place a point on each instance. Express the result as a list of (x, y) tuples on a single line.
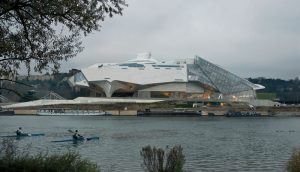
[(144, 71), (180, 87), (78, 100), (138, 73)]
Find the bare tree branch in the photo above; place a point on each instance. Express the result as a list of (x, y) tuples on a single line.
[(29, 34), (11, 90), (16, 82)]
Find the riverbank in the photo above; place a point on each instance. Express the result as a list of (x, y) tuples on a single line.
[(132, 107), (200, 111)]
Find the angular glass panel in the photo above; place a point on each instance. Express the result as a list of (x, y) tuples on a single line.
[(217, 77)]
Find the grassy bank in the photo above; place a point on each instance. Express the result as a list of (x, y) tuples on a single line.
[(293, 164), (12, 160)]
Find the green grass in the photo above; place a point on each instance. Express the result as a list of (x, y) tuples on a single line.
[(268, 96)]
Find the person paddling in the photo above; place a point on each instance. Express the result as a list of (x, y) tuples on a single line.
[(77, 136), (19, 132)]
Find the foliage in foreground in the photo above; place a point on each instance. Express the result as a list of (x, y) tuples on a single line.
[(154, 159), (39, 34), (293, 164), (12, 160)]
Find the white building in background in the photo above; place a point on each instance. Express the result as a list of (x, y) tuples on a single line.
[(145, 77)]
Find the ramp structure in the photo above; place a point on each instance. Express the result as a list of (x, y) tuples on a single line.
[(52, 96), (3, 99)]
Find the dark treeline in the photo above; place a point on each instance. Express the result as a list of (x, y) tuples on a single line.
[(286, 91)]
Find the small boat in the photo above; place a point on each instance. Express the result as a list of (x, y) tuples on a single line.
[(74, 140), (25, 135), (69, 112)]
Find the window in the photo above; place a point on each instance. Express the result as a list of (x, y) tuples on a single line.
[(131, 65), (168, 66), (178, 79)]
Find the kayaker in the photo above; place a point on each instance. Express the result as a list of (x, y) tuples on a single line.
[(77, 136), (19, 132)]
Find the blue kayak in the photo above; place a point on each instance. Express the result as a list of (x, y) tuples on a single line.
[(79, 139), (25, 135)]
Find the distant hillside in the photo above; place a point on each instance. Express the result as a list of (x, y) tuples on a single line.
[(284, 91)]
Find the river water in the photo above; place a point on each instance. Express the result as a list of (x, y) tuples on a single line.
[(209, 143)]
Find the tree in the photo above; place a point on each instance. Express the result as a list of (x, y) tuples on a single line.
[(159, 160), (41, 33), (293, 165)]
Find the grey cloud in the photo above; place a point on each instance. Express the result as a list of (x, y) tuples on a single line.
[(250, 38)]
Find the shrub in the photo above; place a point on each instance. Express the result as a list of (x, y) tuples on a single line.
[(293, 164), (154, 159), (13, 161)]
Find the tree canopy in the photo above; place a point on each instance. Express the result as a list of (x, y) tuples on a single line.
[(41, 33)]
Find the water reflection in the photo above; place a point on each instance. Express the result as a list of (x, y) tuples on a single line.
[(209, 144)]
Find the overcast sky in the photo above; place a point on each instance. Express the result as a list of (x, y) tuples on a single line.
[(250, 38)]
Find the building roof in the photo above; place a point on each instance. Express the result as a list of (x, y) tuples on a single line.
[(144, 70)]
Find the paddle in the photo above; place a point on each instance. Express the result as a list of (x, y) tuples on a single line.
[(71, 131)]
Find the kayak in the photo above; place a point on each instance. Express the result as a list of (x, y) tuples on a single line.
[(74, 140), (25, 135)]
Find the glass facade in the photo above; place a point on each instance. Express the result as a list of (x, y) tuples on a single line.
[(228, 84), (79, 77)]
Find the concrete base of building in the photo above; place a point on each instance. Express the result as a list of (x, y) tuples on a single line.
[(122, 112), (25, 112)]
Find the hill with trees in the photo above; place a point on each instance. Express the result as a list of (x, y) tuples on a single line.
[(284, 91)]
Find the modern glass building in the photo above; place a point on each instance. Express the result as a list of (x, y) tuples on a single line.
[(145, 77)]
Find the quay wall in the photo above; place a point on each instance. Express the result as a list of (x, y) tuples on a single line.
[(289, 113), (25, 112), (130, 109), (204, 112), (122, 112), (213, 113)]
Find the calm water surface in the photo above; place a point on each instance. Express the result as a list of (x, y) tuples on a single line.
[(209, 143)]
